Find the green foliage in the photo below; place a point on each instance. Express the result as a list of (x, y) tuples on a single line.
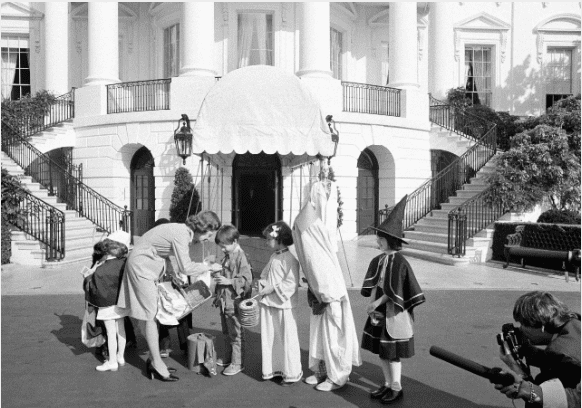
[(457, 97), (539, 166), (184, 196), (12, 215), (28, 110), (560, 217), (340, 203)]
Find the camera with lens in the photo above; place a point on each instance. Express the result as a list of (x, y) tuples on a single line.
[(512, 337)]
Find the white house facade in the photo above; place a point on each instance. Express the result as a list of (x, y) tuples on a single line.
[(257, 81)]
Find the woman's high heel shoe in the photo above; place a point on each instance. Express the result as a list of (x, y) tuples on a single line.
[(152, 372), (170, 369)]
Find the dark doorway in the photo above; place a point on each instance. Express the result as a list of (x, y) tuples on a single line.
[(367, 191), (142, 192), (256, 191), (444, 187)]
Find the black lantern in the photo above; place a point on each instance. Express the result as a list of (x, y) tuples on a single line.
[(183, 138)]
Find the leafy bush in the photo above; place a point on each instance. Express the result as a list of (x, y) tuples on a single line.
[(560, 217), (12, 215), (184, 196), (28, 111)]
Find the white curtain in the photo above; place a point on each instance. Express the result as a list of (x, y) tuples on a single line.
[(8, 70), (245, 38), (253, 40)]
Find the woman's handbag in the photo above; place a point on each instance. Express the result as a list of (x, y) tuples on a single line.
[(175, 301)]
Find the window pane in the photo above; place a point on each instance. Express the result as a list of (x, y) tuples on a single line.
[(255, 39), (15, 67), (558, 73), (478, 74), (336, 51), (172, 51)]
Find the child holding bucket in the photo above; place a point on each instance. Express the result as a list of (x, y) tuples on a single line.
[(394, 292), (278, 287), (233, 284)]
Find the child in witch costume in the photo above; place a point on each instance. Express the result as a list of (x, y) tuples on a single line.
[(394, 290)]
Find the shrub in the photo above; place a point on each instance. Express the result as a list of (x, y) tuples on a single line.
[(560, 217), (12, 215), (184, 196)]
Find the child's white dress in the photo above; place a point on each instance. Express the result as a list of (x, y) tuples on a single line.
[(279, 338)]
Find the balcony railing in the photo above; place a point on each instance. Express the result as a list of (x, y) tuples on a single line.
[(468, 219), (373, 99), (60, 182), (43, 222), (139, 96)]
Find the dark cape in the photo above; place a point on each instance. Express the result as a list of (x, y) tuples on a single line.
[(102, 286), (400, 284)]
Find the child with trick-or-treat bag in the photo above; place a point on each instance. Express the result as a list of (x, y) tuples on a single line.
[(278, 287), (233, 284), (394, 291)]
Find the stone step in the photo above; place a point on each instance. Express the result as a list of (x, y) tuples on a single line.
[(434, 257), (427, 236)]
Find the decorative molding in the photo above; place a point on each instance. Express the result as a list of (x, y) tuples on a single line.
[(19, 11), (420, 39), (545, 4), (540, 47), (457, 46), (503, 45), (284, 12), (347, 9), (498, 3), (78, 36), (37, 45), (225, 13), (379, 19)]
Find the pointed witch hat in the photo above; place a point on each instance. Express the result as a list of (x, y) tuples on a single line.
[(392, 225)]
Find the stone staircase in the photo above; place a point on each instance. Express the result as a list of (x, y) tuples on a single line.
[(428, 238), (55, 137), (448, 140), (80, 233)]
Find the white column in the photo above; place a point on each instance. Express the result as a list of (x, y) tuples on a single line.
[(314, 47), (198, 39), (103, 43), (403, 44), (441, 53), (56, 36)]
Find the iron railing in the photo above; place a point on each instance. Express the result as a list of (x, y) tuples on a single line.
[(373, 99), (139, 96), (429, 195), (469, 218), (61, 183), (60, 110), (44, 223), (466, 124)]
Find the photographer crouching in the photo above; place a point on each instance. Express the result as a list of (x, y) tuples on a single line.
[(545, 321)]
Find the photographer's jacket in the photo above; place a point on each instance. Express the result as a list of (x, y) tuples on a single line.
[(561, 358)]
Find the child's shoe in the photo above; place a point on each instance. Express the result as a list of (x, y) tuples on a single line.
[(328, 385), (107, 366), (220, 362), (233, 369), (314, 379), (165, 353)]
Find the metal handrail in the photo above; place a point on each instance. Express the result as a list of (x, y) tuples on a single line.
[(468, 219), (465, 124), (373, 99), (139, 96), (69, 189), (60, 110), (44, 223)]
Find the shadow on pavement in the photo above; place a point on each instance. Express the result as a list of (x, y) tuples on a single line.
[(70, 333)]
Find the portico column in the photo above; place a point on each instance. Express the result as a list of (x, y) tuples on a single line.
[(198, 39), (103, 46), (441, 56), (56, 38), (403, 45), (314, 47)]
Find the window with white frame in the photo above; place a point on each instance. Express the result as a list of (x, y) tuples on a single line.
[(336, 51), (172, 51), (558, 73), (478, 74), (15, 67), (255, 39), (385, 75)]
